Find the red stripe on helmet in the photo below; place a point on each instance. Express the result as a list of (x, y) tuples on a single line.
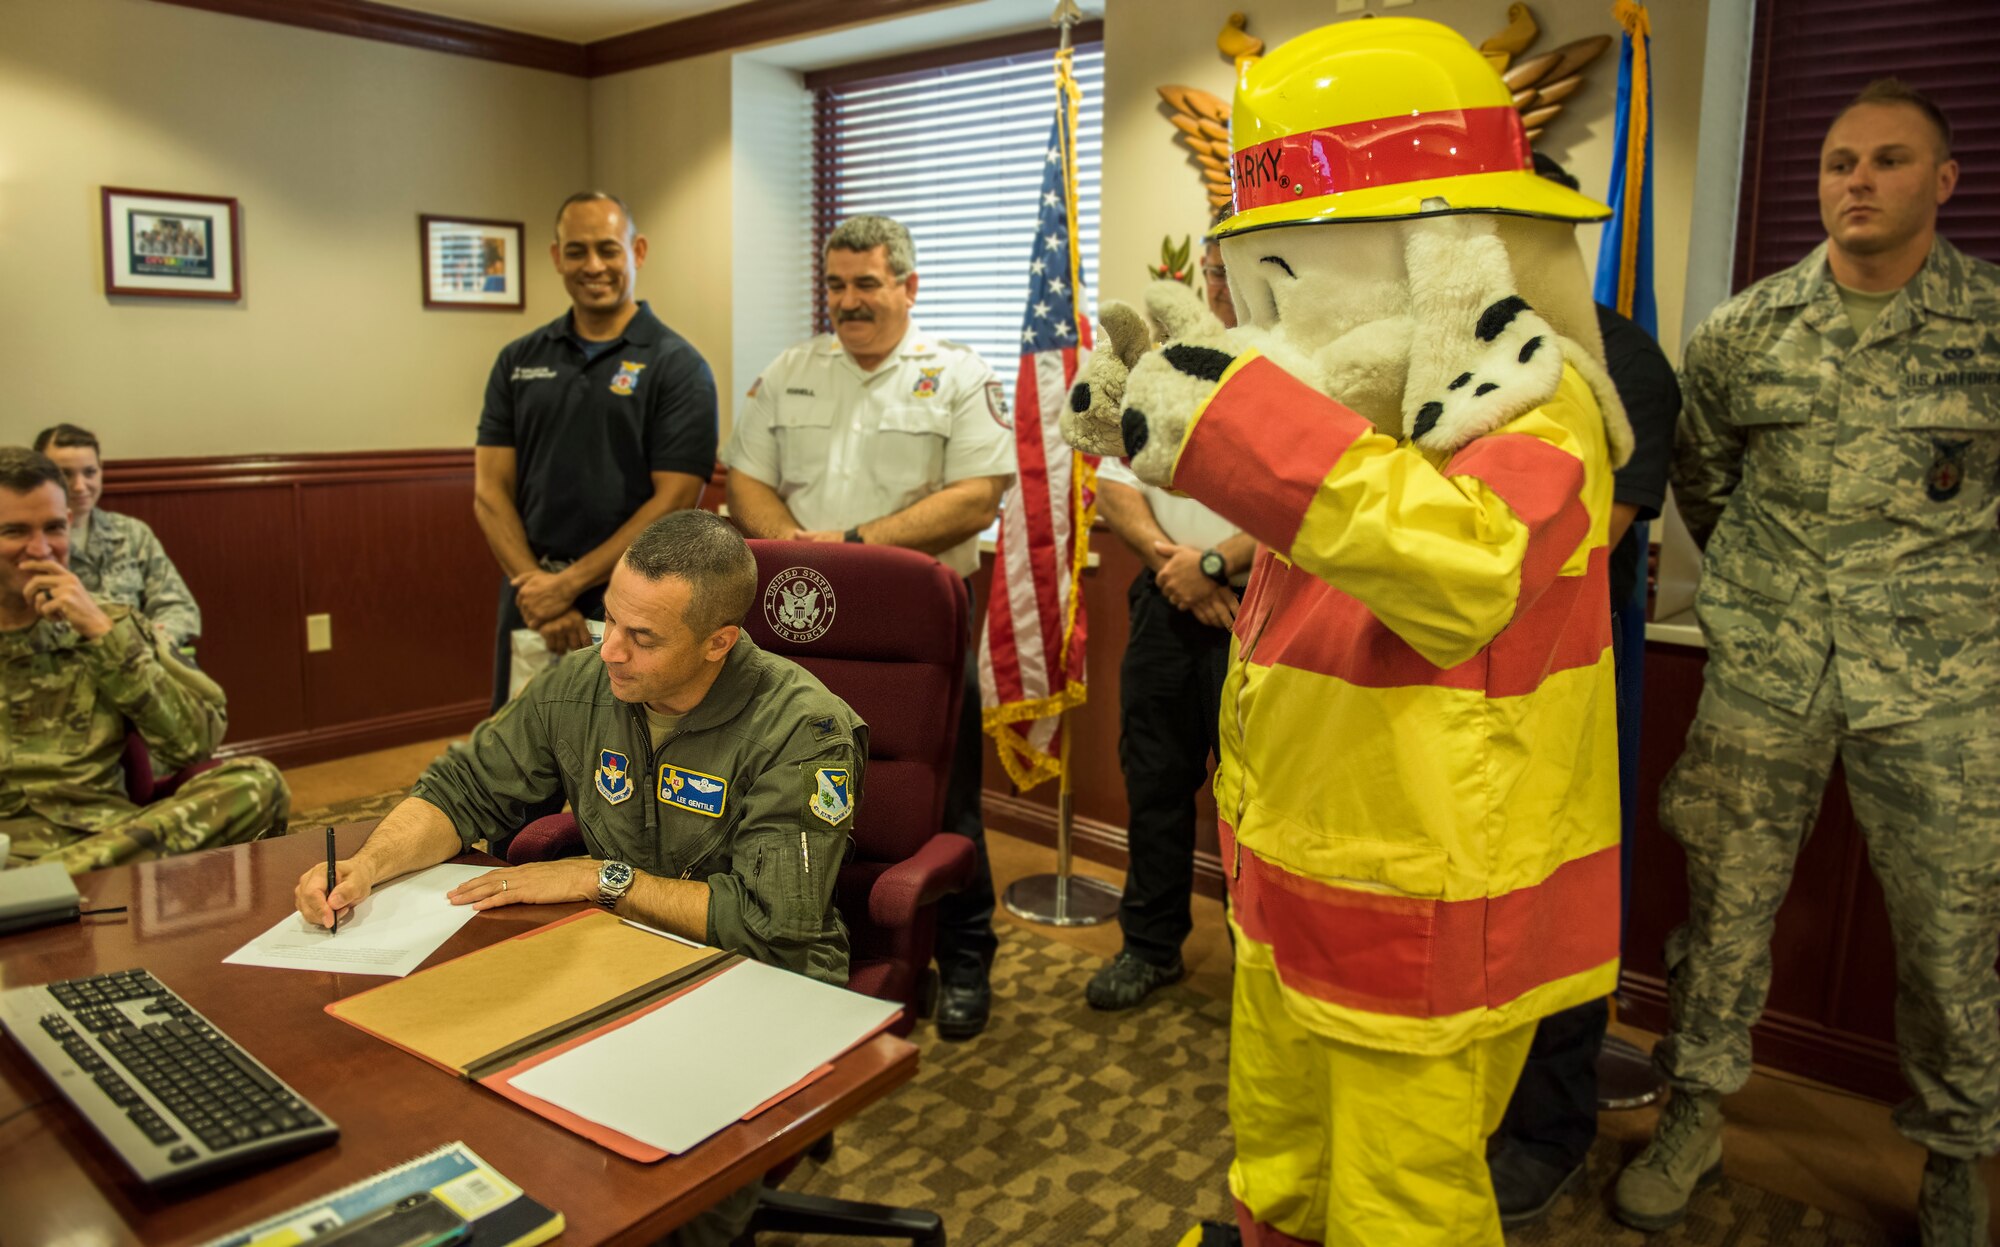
[(1384, 152)]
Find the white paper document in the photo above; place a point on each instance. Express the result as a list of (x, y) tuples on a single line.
[(390, 933), (712, 1055)]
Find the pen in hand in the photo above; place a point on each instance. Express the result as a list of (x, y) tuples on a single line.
[(332, 881)]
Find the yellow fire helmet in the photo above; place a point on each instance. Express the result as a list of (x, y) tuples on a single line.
[(1379, 119)]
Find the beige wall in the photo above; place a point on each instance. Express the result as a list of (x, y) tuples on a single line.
[(333, 146), (1150, 184), (660, 138)]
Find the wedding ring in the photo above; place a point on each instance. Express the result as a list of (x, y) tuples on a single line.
[(503, 885)]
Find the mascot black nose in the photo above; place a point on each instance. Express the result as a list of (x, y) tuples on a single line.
[(1134, 428), (1079, 398)]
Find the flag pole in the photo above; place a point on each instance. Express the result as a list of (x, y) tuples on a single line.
[(1064, 899)]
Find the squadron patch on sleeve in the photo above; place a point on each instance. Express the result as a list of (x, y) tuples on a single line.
[(996, 405), (829, 793)]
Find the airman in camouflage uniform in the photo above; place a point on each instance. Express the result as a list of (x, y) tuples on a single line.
[(122, 561), (117, 557), (74, 678), (1844, 480)]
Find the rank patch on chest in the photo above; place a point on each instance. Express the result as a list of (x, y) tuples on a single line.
[(832, 797), (693, 790), (628, 376), (1947, 468), (927, 382), (614, 776)]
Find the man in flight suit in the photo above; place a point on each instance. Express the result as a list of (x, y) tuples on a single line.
[(714, 783), (882, 433)]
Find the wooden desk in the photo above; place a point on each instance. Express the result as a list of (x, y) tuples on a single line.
[(59, 1183)]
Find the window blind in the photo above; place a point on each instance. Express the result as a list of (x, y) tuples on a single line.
[(1809, 59), (956, 153)]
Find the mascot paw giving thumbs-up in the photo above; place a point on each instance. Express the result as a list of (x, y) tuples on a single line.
[(1418, 789)]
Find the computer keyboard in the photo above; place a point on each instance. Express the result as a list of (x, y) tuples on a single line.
[(173, 1096)]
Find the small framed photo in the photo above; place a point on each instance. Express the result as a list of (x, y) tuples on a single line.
[(171, 246), (469, 263)]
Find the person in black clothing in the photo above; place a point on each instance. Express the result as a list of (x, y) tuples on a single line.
[(1169, 696), (1552, 1119), (595, 425)]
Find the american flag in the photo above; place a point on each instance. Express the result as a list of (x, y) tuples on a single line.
[(1031, 653)]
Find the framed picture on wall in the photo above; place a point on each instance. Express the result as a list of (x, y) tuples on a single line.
[(469, 263), (171, 246)]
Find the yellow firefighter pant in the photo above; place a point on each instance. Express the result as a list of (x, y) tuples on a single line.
[(1347, 1146)]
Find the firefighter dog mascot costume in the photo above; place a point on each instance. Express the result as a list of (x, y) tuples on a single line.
[(1418, 789)]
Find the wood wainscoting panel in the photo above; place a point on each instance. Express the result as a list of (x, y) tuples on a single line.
[(1831, 1010), (402, 569), (238, 549), (385, 542), (1097, 780)]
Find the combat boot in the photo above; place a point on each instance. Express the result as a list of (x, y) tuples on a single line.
[(1686, 1153), (1951, 1206)]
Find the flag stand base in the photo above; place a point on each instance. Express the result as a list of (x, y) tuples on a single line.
[(1062, 901)]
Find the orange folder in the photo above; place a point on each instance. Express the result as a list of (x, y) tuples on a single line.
[(493, 1014)]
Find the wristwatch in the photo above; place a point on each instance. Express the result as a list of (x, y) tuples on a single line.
[(1215, 567), (614, 880), (852, 535)]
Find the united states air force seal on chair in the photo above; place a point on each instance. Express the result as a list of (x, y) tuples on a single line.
[(798, 604)]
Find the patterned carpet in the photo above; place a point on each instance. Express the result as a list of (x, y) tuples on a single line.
[(1064, 1125), (358, 810)]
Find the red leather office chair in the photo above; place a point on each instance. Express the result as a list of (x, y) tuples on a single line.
[(142, 786), (885, 630)]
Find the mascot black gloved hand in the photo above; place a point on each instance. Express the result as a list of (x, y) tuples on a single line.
[(1417, 792)]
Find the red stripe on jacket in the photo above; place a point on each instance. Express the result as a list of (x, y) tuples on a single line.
[(1412, 957), (1235, 437), (1314, 627), (1543, 486)]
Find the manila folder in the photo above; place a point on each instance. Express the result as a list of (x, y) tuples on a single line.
[(511, 999)]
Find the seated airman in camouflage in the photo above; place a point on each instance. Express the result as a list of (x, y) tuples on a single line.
[(76, 675), (117, 557)]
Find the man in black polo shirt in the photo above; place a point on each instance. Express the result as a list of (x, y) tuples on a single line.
[(594, 426)]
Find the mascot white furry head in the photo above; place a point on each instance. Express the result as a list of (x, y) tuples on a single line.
[(1391, 247)]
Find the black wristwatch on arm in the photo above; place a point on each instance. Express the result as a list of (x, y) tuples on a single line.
[(1215, 567), (852, 535)]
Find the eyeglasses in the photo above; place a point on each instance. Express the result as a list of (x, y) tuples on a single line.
[(1214, 272)]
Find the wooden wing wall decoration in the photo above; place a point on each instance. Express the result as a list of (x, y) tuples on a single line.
[(1540, 83)]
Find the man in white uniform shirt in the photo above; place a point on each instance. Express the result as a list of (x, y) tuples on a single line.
[(1169, 698), (882, 434)]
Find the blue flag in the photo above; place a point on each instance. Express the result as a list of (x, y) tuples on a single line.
[(1625, 256)]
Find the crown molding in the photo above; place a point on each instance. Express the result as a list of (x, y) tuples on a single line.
[(386, 23), (741, 25)]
